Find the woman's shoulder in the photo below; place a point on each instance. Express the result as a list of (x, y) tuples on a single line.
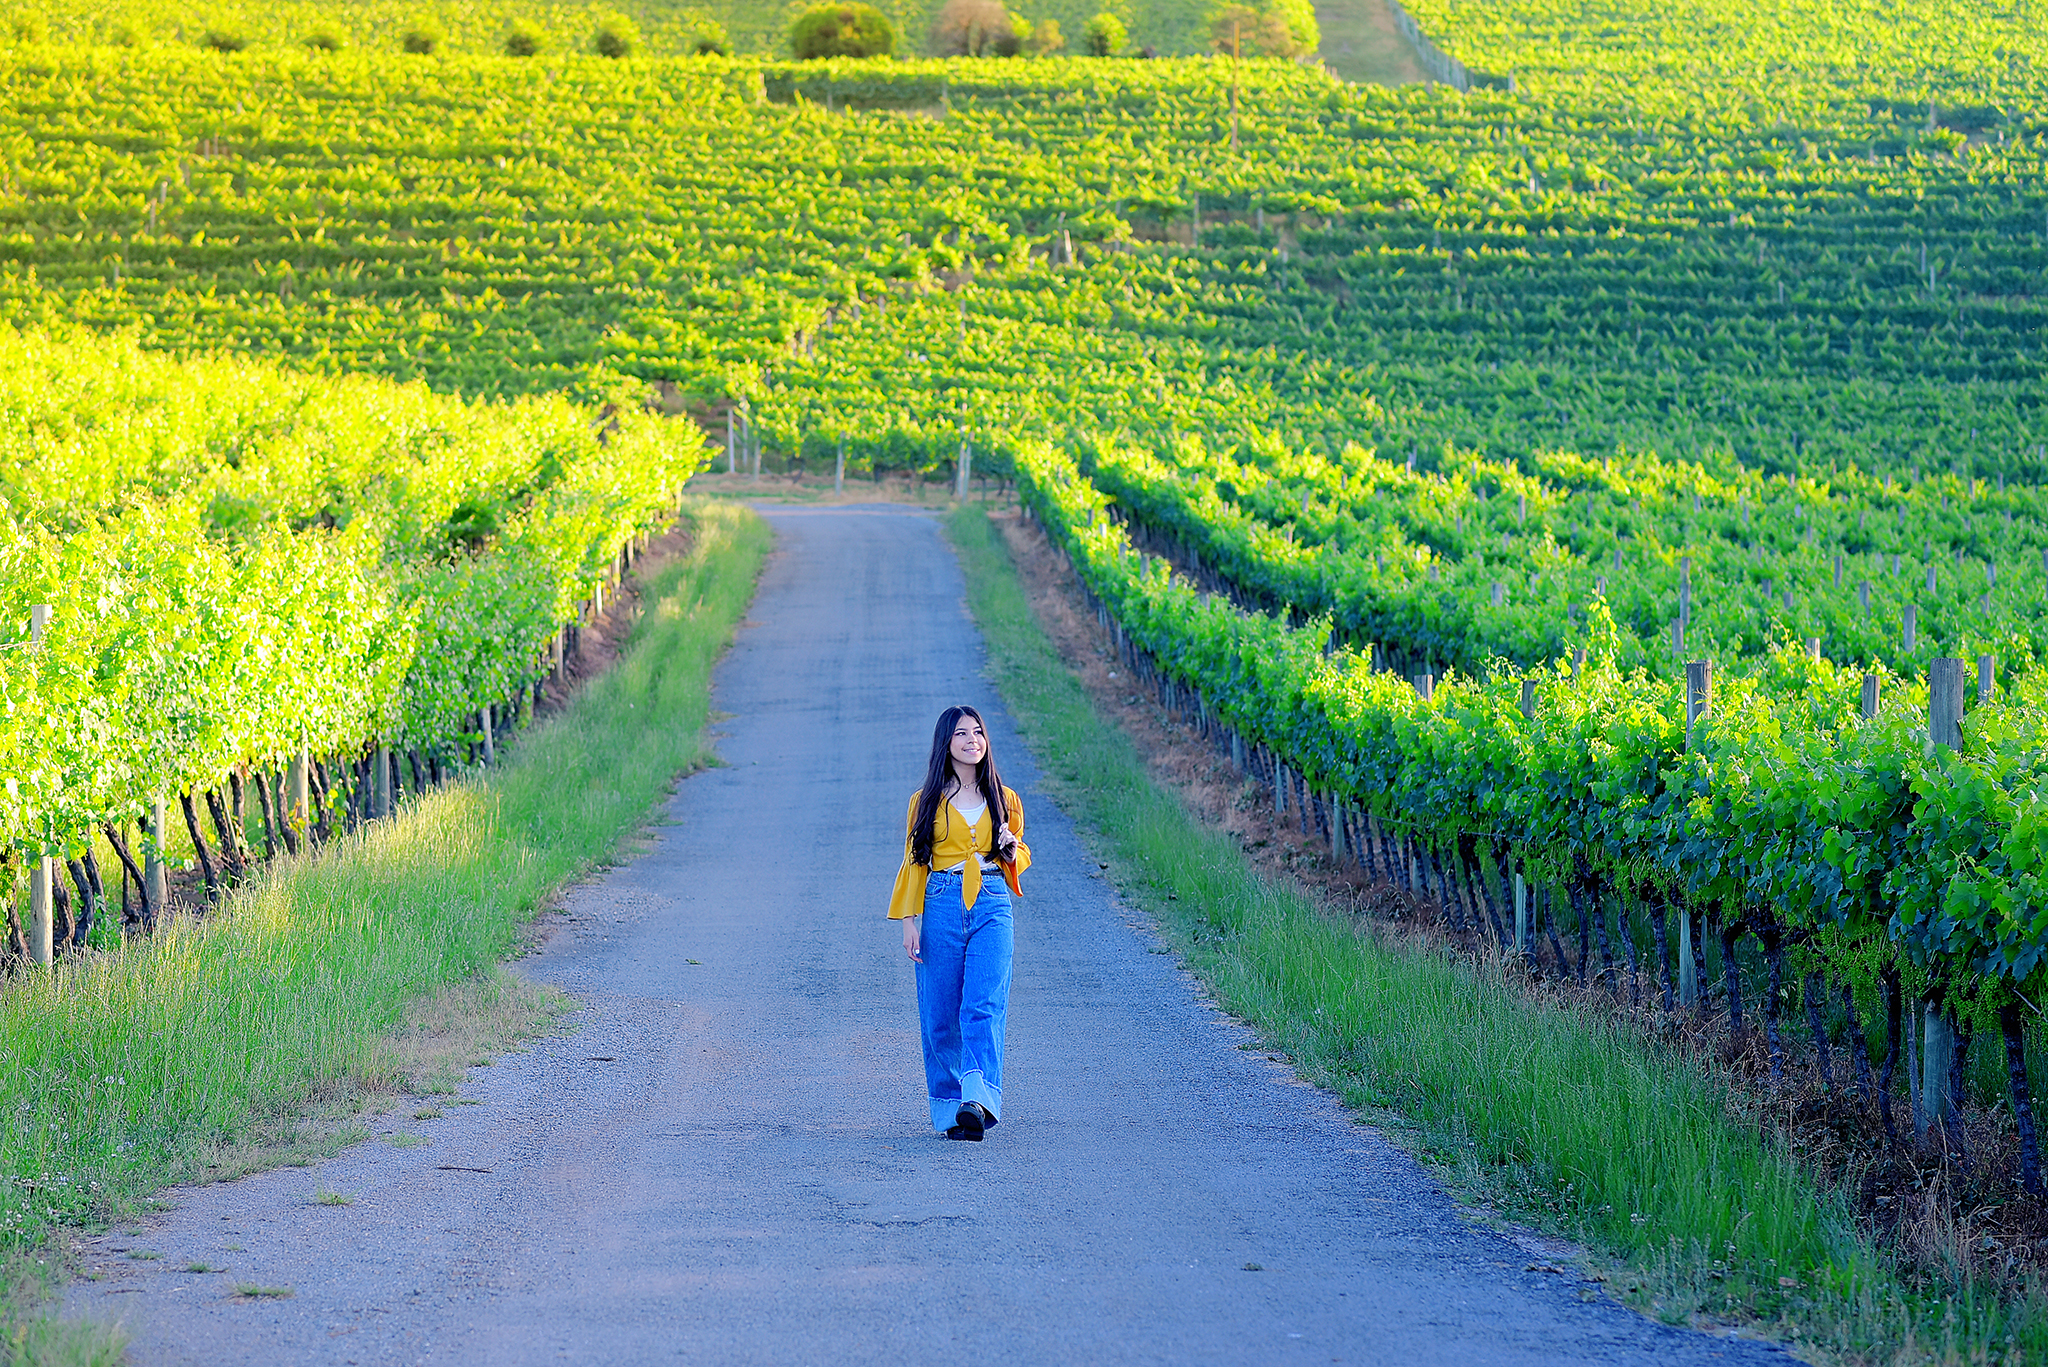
[(1011, 799)]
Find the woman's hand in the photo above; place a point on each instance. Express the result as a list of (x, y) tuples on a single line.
[(1006, 841), (913, 937)]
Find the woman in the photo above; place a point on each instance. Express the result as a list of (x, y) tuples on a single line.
[(961, 858)]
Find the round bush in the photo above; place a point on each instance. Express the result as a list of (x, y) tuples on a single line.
[(224, 40), (1104, 36), (708, 40), (423, 38), (324, 39), (524, 39), (617, 36), (841, 31)]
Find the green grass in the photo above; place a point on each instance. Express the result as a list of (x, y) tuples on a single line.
[(1554, 1116), (122, 1074)]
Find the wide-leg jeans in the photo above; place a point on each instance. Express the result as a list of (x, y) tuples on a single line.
[(963, 994)]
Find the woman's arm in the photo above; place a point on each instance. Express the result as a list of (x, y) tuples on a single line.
[(1009, 837), (906, 899)]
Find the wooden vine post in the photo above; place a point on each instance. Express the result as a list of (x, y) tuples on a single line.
[(42, 872), (1522, 940), (839, 470), (960, 470), (380, 782), (156, 882), (1699, 697), (1945, 730), (298, 797)]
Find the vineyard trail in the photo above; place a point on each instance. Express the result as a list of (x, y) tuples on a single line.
[(727, 1161)]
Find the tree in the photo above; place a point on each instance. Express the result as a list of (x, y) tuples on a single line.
[(1046, 39), (1264, 28), (708, 39), (1104, 36), (616, 37), (841, 31), (423, 39), (1241, 31), (524, 39), (977, 28)]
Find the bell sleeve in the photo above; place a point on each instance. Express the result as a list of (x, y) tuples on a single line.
[(907, 899), (1016, 806)]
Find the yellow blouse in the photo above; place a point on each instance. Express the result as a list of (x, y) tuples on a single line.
[(952, 842)]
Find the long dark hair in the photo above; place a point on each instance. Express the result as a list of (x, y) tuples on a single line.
[(939, 773)]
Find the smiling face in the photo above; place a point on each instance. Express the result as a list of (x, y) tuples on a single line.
[(969, 743)]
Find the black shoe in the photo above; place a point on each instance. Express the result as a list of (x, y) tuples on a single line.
[(970, 1123)]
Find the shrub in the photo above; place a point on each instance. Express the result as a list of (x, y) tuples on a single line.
[(976, 28), (325, 39), (1104, 36), (617, 36), (1046, 39), (841, 31), (423, 38), (524, 39), (1253, 33), (707, 39), (127, 35), (28, 27), (224, 40)]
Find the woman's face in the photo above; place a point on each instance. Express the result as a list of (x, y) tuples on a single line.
[(969, 744)]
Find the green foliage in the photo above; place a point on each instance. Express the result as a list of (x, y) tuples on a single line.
[(27, 27), (326, 39), (841, 30), (1046, 38), (708, 40), (1524, 1098), (218, 1025), (251, 585), (1242, 31), (617, 36), (223, 40), (524, 38), (1104, 36), (423, 38), (1786, 808)]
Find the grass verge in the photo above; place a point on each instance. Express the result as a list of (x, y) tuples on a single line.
[(371, 967), (1552, 1115)]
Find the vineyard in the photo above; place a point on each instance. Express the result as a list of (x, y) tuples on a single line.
[(1611, 505), (231, 583)]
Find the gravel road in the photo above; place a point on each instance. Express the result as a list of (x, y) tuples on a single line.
[(729, 1161)]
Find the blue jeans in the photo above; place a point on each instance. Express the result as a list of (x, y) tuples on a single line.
[(963, 994)]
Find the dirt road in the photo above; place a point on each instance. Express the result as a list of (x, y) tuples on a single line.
[(729, 1162)]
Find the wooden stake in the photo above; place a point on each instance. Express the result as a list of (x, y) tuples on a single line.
[(42, 910), (155, 879)]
